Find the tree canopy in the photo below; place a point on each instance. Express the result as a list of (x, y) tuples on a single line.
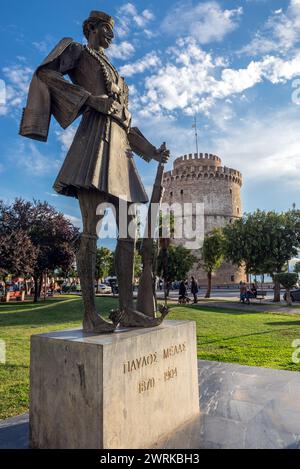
[(35, 238), (213, 250), (212, 254), (104, 263), (180, 262), (263, 242), (288, 281)]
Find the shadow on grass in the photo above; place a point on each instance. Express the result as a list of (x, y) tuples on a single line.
[(19, 307), (224, 339), (285, 323), (58, 312), (216, 309)]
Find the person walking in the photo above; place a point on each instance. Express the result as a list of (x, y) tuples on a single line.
[(182, 292), (194, 290)]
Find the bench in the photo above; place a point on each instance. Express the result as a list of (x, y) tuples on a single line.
[(13, 295), (261, 294)]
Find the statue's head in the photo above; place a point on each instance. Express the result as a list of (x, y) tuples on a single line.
[(98, 28)]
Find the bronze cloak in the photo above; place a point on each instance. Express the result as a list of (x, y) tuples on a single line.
[(100, 157)]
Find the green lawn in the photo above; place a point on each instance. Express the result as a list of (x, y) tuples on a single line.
[(248, 338)]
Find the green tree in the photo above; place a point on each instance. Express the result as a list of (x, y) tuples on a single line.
[(180, 261), (104, 264), (212, 255), (245, 242), (297, 268), (137, 264), (288, 281), (263, 242), (284, 240)]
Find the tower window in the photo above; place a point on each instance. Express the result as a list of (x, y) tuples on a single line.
[(230, 190), (171, 194), (181, 192), (238, 210)]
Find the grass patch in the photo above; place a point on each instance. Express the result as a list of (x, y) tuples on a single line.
[(245, 337)]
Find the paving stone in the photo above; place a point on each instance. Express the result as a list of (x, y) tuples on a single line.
[(241, 407)]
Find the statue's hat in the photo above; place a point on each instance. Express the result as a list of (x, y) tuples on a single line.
[(103, 17)]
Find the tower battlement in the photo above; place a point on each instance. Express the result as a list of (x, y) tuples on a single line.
[(198, 158), (203, 166)]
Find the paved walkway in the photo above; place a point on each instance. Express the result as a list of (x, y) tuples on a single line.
[(241, 407), (264, 307)]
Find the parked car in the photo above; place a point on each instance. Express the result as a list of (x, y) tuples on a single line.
[(104, 289), (74, 288), (295, 295)]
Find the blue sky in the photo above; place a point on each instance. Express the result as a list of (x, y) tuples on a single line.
[(233, 63)]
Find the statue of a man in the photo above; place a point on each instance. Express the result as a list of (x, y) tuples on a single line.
[(99, 166)]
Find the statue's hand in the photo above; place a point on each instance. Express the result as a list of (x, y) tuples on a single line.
[(103, 103), (162, 154)]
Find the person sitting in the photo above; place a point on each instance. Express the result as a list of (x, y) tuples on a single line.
[(244, 294), (254, 290)]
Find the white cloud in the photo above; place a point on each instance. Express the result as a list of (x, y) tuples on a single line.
[(122, 51), (193, 80), (28, 157), (263, 148), (41, 46), (74, 220), (2, 92), (149, 61), (207, 22), (66, 137), (17, 79), (280, 33), (52, 194), (128, 16), (44, 45)]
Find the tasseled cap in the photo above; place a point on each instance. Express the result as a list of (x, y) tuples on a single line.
[(103, 17)]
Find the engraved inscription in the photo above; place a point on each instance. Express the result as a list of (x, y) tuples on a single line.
[(171, 373), (174, 350), (146, 361), (138, 363), (146, 385)]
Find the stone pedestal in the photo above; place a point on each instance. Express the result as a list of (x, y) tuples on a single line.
[(123, 390)]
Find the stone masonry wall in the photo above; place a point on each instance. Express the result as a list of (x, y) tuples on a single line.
[(202, 179)]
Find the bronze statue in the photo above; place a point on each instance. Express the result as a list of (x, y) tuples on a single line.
[(99, 166)]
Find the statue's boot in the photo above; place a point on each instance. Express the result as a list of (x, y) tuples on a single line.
[(86, 261), (97, 325), (126, 315), (133, 318)]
